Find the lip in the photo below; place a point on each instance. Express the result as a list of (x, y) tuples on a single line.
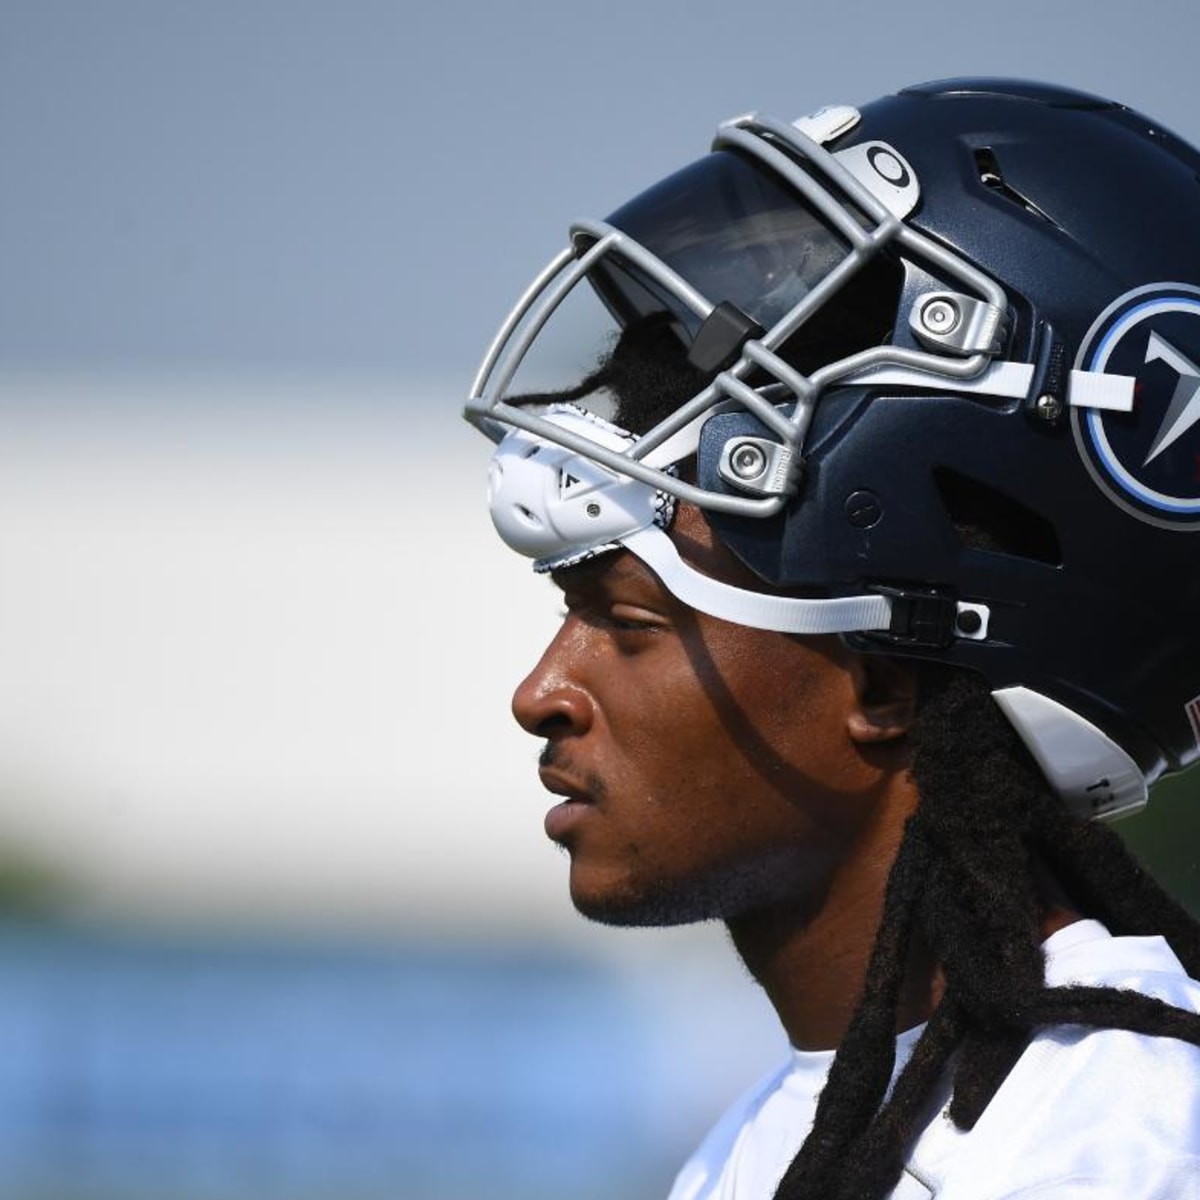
[(565, 815), (563, 818), (555, 781)]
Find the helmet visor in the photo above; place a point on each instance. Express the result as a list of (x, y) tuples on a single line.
[(722, 231), (737, 232)]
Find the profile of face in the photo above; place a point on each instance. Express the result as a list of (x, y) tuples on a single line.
[(706, 769)]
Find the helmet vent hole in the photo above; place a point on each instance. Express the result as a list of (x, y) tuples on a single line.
[(528, 516), (988, 520), (991, 175), (988, 166)]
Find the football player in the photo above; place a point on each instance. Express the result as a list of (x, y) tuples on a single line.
[(866, 453)]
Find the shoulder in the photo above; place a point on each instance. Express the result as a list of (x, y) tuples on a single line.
[(1173, 1179), (1086, 953), (748, 1149), (1086, 1111)]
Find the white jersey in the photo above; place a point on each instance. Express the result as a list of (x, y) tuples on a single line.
[(1086, 1114)]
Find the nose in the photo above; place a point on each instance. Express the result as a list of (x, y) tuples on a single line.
[(549, 702)]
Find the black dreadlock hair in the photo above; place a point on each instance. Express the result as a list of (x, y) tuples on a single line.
[(645, 372), (966, 881)]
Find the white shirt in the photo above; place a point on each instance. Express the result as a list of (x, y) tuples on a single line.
[(1086, 1114)]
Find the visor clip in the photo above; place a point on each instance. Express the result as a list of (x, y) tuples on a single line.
[(719, 340)]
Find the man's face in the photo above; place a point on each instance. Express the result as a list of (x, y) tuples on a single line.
[(706, 768)]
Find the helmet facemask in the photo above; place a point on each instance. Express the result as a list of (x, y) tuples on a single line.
[(746, 260)]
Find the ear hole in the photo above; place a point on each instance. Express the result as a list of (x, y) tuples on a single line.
[(986, 519)]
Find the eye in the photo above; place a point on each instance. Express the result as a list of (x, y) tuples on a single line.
[(632, 618), (620, 617)]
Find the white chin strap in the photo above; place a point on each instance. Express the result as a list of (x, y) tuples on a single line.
[(1093, 775), (784, 614)]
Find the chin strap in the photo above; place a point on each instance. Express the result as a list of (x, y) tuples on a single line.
[(784, 614)]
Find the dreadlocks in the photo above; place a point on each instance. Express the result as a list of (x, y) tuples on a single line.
[(966, 881)]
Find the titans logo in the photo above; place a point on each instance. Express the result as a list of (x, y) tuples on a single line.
[(1146, 456)]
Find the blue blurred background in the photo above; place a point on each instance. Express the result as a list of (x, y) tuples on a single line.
[(278, 915)]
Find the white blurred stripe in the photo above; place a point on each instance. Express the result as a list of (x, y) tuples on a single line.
[(257, 651)]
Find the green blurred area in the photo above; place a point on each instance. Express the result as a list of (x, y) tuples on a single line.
[(31, 889), (1165, 836)]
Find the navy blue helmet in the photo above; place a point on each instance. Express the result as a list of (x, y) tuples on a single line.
[(931, 367)]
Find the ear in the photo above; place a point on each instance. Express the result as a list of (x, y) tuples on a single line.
[(886, 690)]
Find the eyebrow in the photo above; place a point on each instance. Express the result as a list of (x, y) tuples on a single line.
[(601, 569)]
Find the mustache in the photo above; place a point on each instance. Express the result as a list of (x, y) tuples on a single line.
[(554, 756)]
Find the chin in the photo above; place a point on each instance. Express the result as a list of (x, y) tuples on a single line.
[(716, 896), (637, 914)]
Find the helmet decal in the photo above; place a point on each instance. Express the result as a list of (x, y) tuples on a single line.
[(1147, 459)]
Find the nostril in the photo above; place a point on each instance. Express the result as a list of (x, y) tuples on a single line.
[(556, 723), (528, 516)]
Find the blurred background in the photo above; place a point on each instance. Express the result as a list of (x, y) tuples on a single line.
[(278, 915)]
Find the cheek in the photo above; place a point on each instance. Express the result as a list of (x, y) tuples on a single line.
[(733, 722), (673, 734), (774, 706), (776, 716)]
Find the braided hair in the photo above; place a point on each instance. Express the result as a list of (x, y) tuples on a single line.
[(966, 881)]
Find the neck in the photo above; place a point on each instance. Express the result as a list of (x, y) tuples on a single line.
[(811, 958), (813, 970), (812, 964)]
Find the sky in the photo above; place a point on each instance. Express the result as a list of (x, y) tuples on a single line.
[(361, 188), (258, 639)]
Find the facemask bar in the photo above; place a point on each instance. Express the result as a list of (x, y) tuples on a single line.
[(830, 188)]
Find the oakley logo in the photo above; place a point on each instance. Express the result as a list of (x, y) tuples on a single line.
[(1144, 460), (888, 164), (881, 169)]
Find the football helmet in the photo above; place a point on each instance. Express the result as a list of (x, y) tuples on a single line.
[(931, 368)]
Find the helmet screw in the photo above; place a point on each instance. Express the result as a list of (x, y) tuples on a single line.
[(747, 461), (593, 509), (940, 316), (1048, 407), (968, 621), (863, 509)]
